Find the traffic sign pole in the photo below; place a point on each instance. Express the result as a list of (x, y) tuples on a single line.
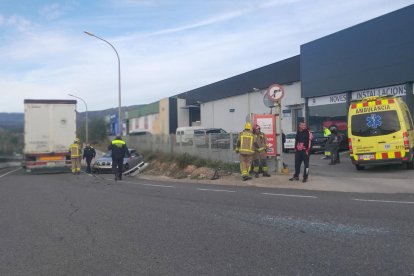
[(274, 95), (279, 151)]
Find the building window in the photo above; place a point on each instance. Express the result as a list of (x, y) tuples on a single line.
[(297, 117), (330, 115)]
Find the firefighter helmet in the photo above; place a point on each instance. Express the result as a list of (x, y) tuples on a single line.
[(248, 126), (77, 140)]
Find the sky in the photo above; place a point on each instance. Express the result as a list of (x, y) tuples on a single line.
[(165, 47)]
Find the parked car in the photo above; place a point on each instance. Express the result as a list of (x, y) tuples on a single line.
[(104, 164), (290, 141), (319, 142)]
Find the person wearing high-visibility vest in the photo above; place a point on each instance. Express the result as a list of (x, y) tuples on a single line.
[(259, 157), (119, 151), (327, 133), (75, 156), (246, 146)]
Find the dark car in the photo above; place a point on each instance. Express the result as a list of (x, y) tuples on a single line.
[(104, 164), (319, 142)]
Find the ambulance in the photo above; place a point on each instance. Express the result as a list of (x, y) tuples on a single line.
[(380, 131)]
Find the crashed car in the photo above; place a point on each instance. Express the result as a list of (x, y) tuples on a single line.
[(104, 163)]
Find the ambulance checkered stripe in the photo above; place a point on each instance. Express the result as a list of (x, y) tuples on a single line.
[(380, 156), (372, 103)]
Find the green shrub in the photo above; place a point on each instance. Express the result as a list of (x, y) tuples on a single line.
[(185, 159), (200, 162)]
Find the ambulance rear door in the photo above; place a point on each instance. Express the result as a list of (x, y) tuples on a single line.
[(376, 133)]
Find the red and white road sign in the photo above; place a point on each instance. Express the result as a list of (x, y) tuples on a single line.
[(275, 92)]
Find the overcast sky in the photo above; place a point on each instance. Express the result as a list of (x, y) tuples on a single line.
[(166, 47)]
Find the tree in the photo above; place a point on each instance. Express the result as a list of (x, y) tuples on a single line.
[(97, 129)]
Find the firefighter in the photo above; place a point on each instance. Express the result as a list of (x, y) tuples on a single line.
[(75, 156), (88, 154), (246, 146), (118, 150), (259, 159)]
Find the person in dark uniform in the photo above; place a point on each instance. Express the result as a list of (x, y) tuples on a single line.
[(118, 150), (88, 154), (302, 148), (334, 141)]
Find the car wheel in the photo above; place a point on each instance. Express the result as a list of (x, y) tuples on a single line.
[(359, 167)]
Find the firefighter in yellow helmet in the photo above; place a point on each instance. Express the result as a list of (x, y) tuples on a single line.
[(246, 146), (75, 156), (259, 158)]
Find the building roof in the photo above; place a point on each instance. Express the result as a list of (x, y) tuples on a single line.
[(375, 53), (282, 72), (143, 110)]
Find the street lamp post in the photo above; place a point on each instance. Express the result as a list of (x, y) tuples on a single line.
[(86, 123), (119, 80)]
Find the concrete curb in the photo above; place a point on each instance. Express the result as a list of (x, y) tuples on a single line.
[(316, 183)]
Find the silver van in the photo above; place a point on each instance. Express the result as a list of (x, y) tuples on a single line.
[(185, 135), (202, 136)]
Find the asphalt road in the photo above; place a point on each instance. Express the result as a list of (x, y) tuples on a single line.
[(60, 224)]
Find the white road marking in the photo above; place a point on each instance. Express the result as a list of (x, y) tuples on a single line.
[(142, 184), (384, 201), (156, 185), (289, 195), (9, 172), (214, 190)]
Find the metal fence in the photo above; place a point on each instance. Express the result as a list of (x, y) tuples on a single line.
[(213, 146)]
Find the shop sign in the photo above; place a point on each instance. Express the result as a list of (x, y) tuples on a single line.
[(325, 100), (396, 90), (287, 113), (267, 123)]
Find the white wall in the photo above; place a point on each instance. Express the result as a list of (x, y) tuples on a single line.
[(142, 123), (291, 100), (217, 113), (182, 114)]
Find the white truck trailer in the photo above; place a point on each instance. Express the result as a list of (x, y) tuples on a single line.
[(49, 129)]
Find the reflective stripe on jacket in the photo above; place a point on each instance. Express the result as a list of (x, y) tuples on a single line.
[(246, 141), (75, 150), (261, 141)]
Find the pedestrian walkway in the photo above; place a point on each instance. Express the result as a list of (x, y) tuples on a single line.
[(341, 178)]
